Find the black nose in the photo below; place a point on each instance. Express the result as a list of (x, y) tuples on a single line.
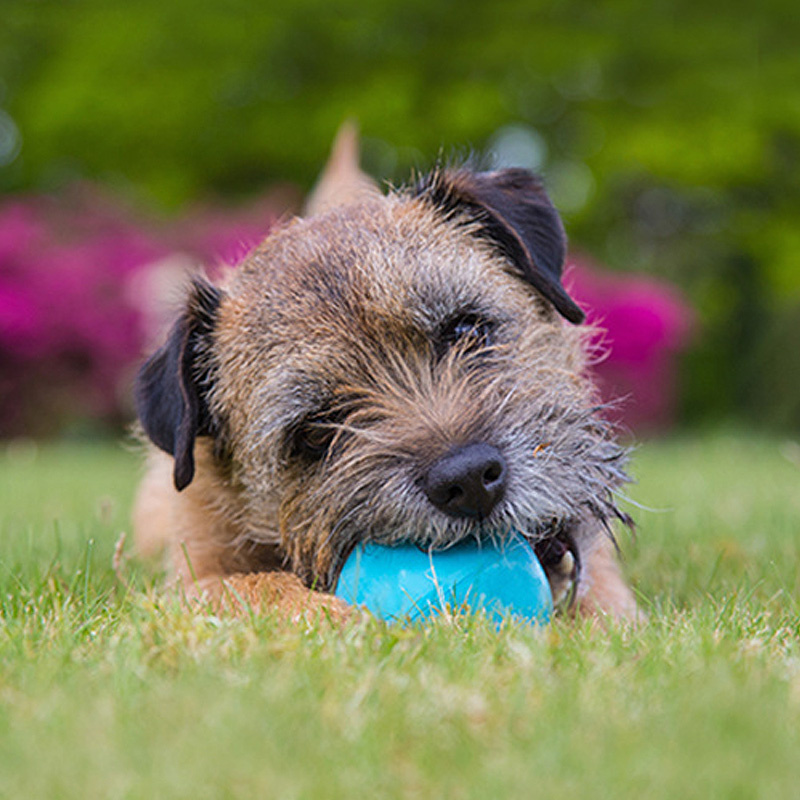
[(467, 482)]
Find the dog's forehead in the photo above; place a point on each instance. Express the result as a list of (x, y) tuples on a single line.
[(393, 259), (349, 300)]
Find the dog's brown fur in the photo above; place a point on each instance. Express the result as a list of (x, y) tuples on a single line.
[(302, 406)]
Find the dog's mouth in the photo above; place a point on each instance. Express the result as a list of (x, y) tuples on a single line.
[(558, 553), (552, 541)]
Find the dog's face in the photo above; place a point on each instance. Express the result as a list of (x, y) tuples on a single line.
[(394, 370)]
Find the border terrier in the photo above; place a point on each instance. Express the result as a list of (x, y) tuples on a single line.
[(401, 367)]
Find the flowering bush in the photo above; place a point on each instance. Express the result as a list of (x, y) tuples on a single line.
[(83, 282), (641, 325), (73, 321)]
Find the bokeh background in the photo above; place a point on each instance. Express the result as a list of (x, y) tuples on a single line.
[(139, 140)]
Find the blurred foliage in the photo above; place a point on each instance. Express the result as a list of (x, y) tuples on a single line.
[(87, 285), (669, 132)]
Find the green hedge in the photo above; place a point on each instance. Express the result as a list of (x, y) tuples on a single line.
[(670, 132)]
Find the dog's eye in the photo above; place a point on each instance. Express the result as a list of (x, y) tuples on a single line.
[(313, 438), (468, 331)]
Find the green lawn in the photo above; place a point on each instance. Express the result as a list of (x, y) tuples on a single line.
[(108, 691)]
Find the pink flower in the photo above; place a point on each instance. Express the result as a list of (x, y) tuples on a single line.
[(643, 325), (71, 328)]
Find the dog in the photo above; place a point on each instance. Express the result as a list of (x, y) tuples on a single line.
[(399, 367)]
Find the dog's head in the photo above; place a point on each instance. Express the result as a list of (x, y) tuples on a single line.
[(396, 368)]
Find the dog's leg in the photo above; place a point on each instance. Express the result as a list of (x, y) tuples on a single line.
[(152, 508), (281, 592), (185, 526), (602, 590)]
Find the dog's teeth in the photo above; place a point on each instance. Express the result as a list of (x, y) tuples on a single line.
[(566, 566)]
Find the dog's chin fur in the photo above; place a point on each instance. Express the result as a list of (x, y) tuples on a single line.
[(332, 330)]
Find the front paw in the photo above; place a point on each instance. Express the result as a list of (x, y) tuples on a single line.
[(282, 593)]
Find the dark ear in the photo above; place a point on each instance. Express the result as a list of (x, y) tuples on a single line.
[(513, 213), (172, 385)]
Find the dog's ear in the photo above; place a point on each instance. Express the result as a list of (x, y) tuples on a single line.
[(514, 214), (342, 181), (171, 387)]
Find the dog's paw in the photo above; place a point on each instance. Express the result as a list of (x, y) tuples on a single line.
[(279, 592)]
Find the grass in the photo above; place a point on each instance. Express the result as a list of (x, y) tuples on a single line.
[(110, 691)]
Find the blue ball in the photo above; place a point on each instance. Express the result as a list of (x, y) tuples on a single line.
[(405, 582)]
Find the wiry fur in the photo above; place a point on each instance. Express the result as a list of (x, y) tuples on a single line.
[(338, 321)]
